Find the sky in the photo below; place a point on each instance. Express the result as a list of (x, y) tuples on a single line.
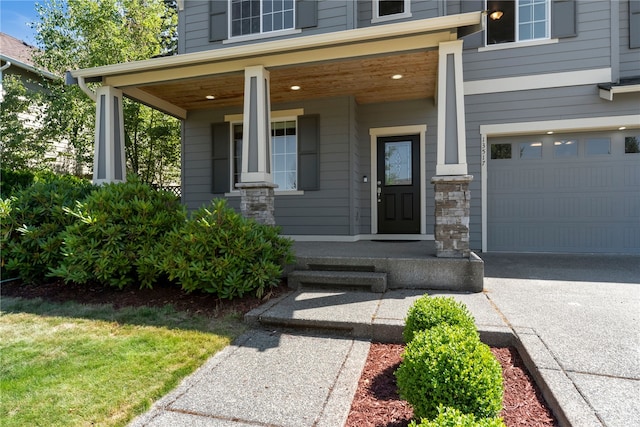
[(14, 16)]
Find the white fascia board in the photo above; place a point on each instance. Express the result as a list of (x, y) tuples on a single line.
[(563, 125), (28, 67), (537, 81), (359, 35)]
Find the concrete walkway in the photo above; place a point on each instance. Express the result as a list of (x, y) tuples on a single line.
[(574, 319)]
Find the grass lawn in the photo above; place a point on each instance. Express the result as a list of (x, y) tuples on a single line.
[(78, 365)]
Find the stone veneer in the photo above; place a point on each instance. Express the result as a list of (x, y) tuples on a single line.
[(257, 201), (452, 198)]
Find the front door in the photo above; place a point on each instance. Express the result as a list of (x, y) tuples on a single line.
[(398, 184)]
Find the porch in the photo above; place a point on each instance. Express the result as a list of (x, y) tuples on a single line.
[(406, 264)]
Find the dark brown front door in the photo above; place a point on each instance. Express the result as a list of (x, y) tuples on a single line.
[(398, 184)]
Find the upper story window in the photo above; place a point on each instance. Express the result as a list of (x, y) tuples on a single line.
[(520, 20), (386, 10), (261, 16)]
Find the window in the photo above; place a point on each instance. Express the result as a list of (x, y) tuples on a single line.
[(632, 144), (565, 148), (598, 146), (261, 16), (500, 151), (521, 20), (531, 150), (384, 10), (284, 154)]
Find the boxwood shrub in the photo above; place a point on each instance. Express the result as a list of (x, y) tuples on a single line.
[(427, 312), (32, 220), (116, 233), (451, 417), (448, 365), (220, 252)]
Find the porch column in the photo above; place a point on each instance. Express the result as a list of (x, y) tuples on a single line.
[(108, 160), (256, 182), (452, 197)]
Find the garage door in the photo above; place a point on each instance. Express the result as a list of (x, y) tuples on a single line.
[(564, 193)]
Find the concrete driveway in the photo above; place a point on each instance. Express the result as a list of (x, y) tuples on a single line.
[(586, 311)]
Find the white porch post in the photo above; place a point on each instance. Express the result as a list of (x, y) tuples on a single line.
[(108, 160), (256, 186), (452, 196)]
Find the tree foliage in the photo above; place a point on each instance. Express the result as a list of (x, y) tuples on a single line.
[(74, 34)]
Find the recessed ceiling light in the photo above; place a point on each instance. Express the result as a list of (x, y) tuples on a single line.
[(550, 132), (396, 76), (210, 97), (622, 128), (295, 87)]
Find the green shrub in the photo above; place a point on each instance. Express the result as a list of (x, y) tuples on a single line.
[(32, 221), (218, 251), (12, 181), (428, 312), (448, 365), (451, 417), (116, 233)]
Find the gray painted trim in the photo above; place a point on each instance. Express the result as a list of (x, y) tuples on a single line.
[(253, 126), (102, 140), (117, 143), (451, 132)]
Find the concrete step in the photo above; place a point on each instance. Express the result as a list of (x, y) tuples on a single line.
[(362, 280)]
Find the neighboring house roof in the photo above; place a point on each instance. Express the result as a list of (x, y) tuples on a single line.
[(20, 54)]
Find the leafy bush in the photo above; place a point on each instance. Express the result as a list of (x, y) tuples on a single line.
[(32, 221), (451, 417), (115, 235), (220, 252), (448, 365), (14, 180), (428, 312)]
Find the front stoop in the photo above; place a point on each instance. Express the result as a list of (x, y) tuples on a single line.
[(356, 280)]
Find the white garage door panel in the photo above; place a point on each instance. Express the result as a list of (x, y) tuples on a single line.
[(582, 203)]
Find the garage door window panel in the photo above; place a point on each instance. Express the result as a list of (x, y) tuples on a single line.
[(565, 148), (531, 150), (632, 144), (500, 151), (598, 146)]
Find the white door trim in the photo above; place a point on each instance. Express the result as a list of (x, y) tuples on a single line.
[(523, 128), (375, 133)]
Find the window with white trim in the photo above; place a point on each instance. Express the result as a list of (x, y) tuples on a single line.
[(284, 154), (520, 20), (384, 10), (261, 16)]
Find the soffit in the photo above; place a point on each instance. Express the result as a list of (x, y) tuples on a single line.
[(367, 79)]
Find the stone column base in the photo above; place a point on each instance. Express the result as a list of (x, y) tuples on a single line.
[(452, 199), (257, 201)]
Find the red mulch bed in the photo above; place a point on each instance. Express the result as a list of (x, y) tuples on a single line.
[(377, 404)]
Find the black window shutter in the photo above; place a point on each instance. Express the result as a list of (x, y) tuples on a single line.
[(306, 13), (634, 24), (472, 6), (218, 21), (563, 19), (309, 152), (220, 155)]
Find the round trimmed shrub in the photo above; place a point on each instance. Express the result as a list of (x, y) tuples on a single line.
[(220, 252), (116, 234), (32, 222), (451, 417), (448, 365), (427, 312)]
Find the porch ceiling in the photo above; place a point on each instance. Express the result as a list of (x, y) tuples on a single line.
[(368, 79)]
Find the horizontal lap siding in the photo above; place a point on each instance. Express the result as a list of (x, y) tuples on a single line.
[(589, 50), (420, 9)]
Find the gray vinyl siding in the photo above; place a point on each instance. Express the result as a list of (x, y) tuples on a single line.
[(333, 15), (530, 106), (406, 113), (420, 9), (629, 58), (591, 49)]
